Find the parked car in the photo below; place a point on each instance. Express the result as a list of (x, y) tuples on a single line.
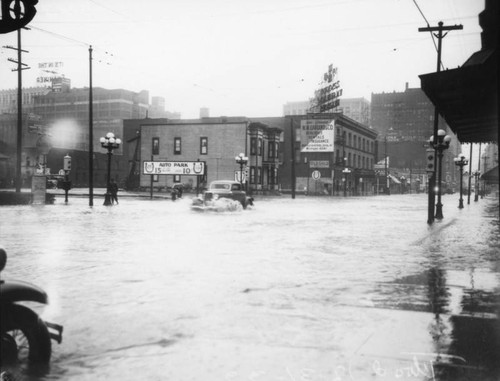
[(227, 189)]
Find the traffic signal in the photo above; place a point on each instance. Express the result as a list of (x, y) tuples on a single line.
[(431, 156), (67, 163)]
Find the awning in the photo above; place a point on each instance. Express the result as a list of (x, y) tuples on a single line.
[(491, 176), (467, 97)]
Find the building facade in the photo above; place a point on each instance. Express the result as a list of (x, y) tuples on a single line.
[(354, 108), (357, 109), (405, 123), (347, 169), (8, 99), (59, 117), (214, 141)]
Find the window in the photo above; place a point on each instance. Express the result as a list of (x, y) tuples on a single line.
[(156, 178), (253, 146), (155, 149), (273, 150), (259, 146), (177, 146), (203, 146), (177, 178), (252, 175), (259, 175)]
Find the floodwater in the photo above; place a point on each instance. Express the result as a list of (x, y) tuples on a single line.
[(306, 289)]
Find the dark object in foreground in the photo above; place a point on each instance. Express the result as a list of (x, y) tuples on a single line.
[(25, 337)]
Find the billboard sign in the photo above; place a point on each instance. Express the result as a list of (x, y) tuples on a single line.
[(317, 135), (192, 168)]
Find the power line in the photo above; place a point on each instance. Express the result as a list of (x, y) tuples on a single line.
[(427, 22)]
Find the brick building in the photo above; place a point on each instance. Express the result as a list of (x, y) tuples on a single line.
[(215, 141)]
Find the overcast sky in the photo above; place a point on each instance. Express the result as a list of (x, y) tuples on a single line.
[(242, 57)]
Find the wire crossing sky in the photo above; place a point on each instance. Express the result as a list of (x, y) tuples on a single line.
[(242, 57)]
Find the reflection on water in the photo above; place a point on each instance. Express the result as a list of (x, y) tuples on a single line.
[(311, 288)]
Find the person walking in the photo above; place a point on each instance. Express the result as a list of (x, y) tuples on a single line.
[(113, 188)]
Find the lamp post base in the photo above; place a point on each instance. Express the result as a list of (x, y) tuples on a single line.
[(107, 199), (439, 211)]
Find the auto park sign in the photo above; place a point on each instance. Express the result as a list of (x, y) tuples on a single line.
[(193, 168)]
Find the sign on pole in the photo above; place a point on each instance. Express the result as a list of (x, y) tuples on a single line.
[(316, 175), (192, 168)]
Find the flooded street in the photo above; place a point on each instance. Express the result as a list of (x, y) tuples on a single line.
[(305, 289)]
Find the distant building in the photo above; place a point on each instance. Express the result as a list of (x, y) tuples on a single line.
[(354, 108), (296, 108), (157, 109), (357, 109), (59, 116), (8, 99), (405, 123), (403, 116)]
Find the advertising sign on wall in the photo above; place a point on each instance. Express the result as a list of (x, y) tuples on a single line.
[(317, 135), (196, 168)]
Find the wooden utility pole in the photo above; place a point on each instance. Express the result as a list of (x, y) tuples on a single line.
[(91, 134), (292, 135), (20, 68), (432, 179)]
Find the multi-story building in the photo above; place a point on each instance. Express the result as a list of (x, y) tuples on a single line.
[(354, 108), (8, 99), (405, 123), (215, 141), (157, 109), (344, 165), (297, 108), (66, 114), (59, 117), (402, 116)]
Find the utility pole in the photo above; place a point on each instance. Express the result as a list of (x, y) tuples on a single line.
[(91, 135), (470, 175), (20, 68), (387, 181), (476, 183), (432, 179), (293, 157)]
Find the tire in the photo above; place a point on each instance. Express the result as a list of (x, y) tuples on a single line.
[(29, 332)]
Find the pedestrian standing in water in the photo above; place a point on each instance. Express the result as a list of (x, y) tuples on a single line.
[(113, 188)]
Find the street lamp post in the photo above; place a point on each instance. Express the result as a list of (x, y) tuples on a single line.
[(242, 160), (346, 171), (443, 142), (476, 185), (460, 162), (110, 143)]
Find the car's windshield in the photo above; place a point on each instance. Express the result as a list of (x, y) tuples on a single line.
[(221, 186)]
